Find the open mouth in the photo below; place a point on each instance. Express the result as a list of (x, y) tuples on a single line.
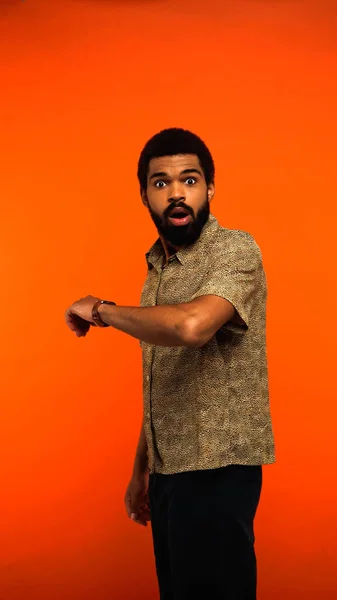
[(179, 216)]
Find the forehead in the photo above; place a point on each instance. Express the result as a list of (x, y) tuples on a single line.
[(173, 165)]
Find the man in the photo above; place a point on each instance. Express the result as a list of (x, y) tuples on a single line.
[(206, 427)]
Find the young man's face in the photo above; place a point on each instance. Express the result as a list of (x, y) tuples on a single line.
[(178, 197)]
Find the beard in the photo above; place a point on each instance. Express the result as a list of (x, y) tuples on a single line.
[(183, 235)]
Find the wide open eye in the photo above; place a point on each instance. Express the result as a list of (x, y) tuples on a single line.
[(191, 181), (160, 183)]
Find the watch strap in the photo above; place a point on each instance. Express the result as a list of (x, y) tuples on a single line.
[(95, 314)]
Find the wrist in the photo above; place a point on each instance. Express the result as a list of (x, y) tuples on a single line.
[(99, 312), (101, 309), (141, 466)]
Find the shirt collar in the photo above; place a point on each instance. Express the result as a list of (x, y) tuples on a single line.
[(185, 256)]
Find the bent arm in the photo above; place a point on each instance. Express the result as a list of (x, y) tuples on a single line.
[(187, 324)]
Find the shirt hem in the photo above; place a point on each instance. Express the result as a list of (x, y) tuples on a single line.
[(217, 465)]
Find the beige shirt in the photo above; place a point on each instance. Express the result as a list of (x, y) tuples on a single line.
[(208, 407)]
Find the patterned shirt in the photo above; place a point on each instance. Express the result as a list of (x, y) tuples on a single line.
[(208, 407)]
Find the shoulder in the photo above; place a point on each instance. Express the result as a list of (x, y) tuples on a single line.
[(236, 241)]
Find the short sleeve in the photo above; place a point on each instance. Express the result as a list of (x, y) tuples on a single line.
[(235, 273)]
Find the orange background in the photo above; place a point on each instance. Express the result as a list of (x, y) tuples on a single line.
[(84, 84)]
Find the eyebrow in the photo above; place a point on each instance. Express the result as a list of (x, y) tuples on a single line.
[(184, 172)]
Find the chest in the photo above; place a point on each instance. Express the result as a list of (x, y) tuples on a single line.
[(173, 284)]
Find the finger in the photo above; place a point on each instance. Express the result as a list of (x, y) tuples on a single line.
[(82, 330), (73, 324), (70, 321), (78, 325), (81, 333), (138, 519), (128, 505), (143, 514), (135, 506), (146, 515)]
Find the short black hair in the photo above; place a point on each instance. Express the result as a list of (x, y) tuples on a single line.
[(170, 142)]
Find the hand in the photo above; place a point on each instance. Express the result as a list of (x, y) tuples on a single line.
[(79, 315), (137, 499)]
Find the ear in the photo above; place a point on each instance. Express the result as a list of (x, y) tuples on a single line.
[(210, 191), (144, 198)]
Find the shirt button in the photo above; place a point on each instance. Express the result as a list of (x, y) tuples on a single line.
[(147, 377)]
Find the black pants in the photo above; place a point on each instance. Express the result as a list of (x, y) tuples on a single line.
[(202, 527)]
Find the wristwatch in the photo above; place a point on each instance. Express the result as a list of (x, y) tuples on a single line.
[(95, 314)]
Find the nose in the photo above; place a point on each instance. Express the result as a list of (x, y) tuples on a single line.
[(176, 193)]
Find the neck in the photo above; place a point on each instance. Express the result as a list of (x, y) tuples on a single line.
[(168, 248)]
